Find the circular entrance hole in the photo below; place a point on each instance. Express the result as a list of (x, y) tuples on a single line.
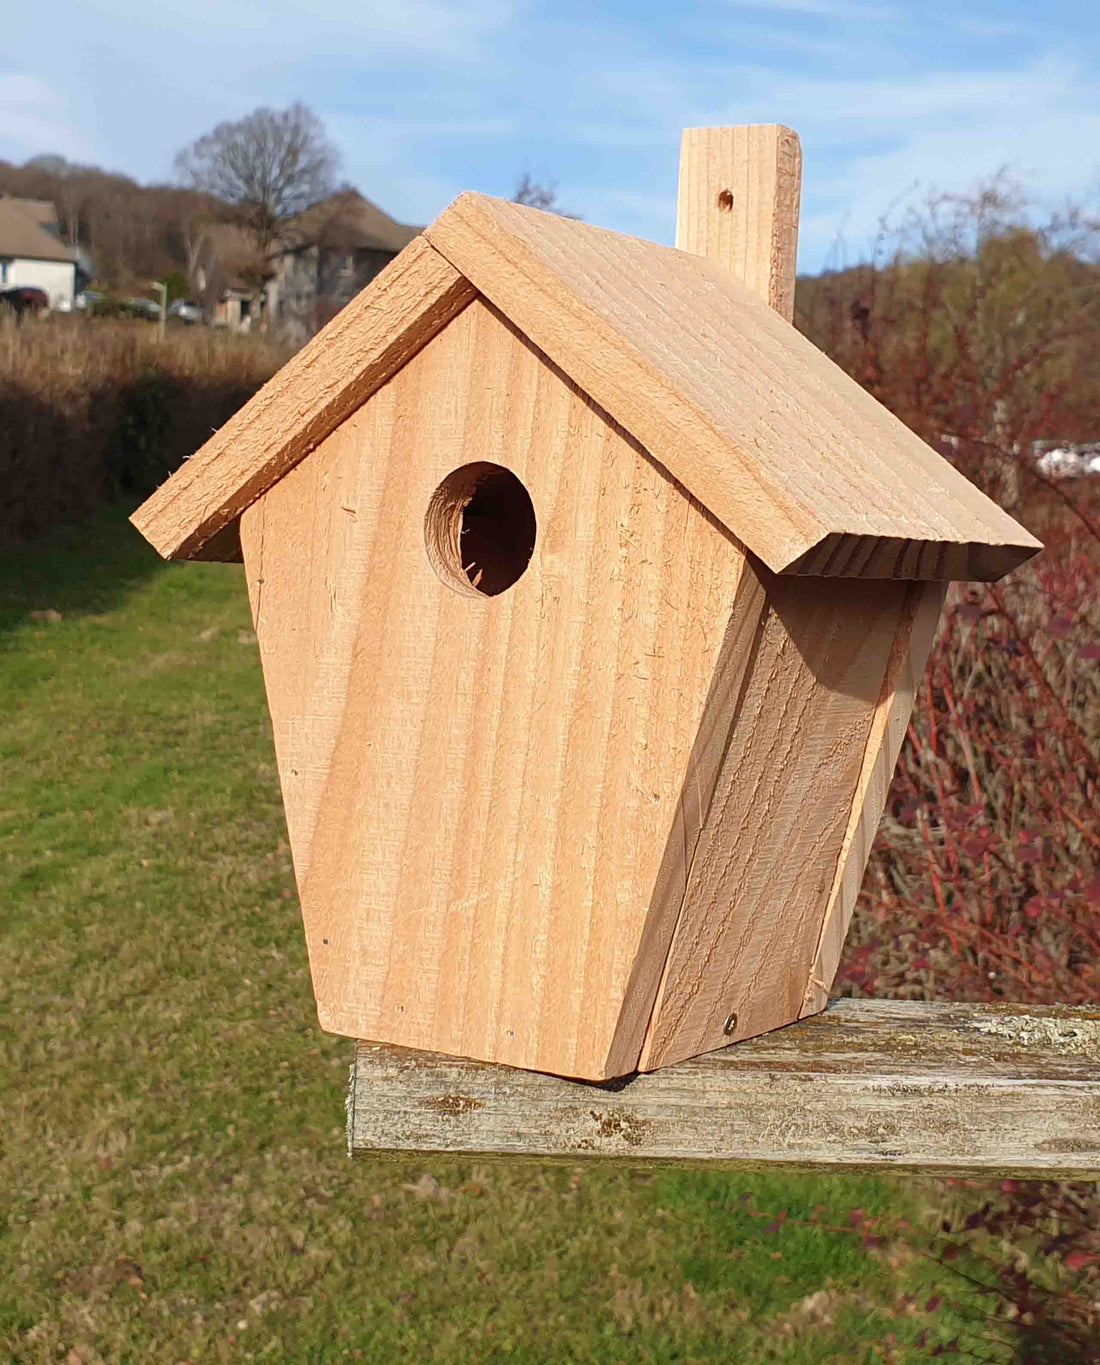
[(480, 529), (724, 201)]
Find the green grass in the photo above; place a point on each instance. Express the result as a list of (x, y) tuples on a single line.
[(173, 1176)]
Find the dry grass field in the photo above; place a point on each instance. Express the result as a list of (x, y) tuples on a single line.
[(95, 407)]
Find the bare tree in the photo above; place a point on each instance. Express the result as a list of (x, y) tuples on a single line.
[(537, 196), (267, 167)]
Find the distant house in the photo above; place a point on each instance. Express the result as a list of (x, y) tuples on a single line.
[(322, 260), (332, 250), (32, 252), (226, 278)]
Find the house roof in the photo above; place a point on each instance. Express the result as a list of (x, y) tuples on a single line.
[(791, 455), (28, 228), (231, 252), (43, 211), (347, 220), (344, 221)]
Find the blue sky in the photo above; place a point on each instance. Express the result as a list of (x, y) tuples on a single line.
[(425, 98)]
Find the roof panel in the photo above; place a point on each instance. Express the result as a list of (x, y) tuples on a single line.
[(27, 229), (402, 308), (785, 449)]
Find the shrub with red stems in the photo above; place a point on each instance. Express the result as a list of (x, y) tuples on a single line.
[(980, 327)]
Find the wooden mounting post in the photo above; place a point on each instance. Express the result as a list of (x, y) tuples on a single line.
[(738, 205)]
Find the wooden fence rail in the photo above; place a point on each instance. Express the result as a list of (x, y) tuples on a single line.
[(868, 1084)]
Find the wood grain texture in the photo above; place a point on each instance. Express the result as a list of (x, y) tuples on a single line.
[(480, 791), (413, 298), (738, 202), (766, 860), (693, 809), (778, 443), (916, 630), (993, 1090)]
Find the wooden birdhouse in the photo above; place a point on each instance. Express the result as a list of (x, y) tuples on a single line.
[(591, 598)]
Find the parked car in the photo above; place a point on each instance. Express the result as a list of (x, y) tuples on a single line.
[(186, 310), (141, 308), (1070, 461), (87, 299), (24, 298)]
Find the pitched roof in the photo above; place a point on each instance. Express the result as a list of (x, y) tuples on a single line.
[(28, 227), (785, 449), (349, 220), (344, 221), (43, 211), (795, 459), (231, 251), (402, 308)]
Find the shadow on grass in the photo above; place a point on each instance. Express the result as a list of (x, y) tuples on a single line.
[(77, 570)]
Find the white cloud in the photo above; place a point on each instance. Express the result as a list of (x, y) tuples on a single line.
[(428, 97), (912, 103), (424, 28), (868, 139), (1039, 155), (825, 9), (34, 117), (997, 28)]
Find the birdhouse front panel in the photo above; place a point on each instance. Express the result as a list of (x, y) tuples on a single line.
[(489, 624)]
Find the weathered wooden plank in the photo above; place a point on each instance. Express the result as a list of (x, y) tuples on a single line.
[(868, 1084)]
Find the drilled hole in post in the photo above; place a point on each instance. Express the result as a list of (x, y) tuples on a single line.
[(479, 529), (725, 201)]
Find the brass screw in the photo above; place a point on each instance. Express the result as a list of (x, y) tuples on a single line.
[(729, 1026)]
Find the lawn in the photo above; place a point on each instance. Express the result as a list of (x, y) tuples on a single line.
[(173, 1176)]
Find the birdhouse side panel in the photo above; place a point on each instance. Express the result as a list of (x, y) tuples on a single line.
[(909, 653), (480, 788), (768, 855)]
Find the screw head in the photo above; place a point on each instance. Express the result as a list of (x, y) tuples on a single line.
[(730, 1025)]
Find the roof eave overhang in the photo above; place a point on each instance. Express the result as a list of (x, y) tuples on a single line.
[(412, 299), (577, 338), (856, 555), (10, 255)]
